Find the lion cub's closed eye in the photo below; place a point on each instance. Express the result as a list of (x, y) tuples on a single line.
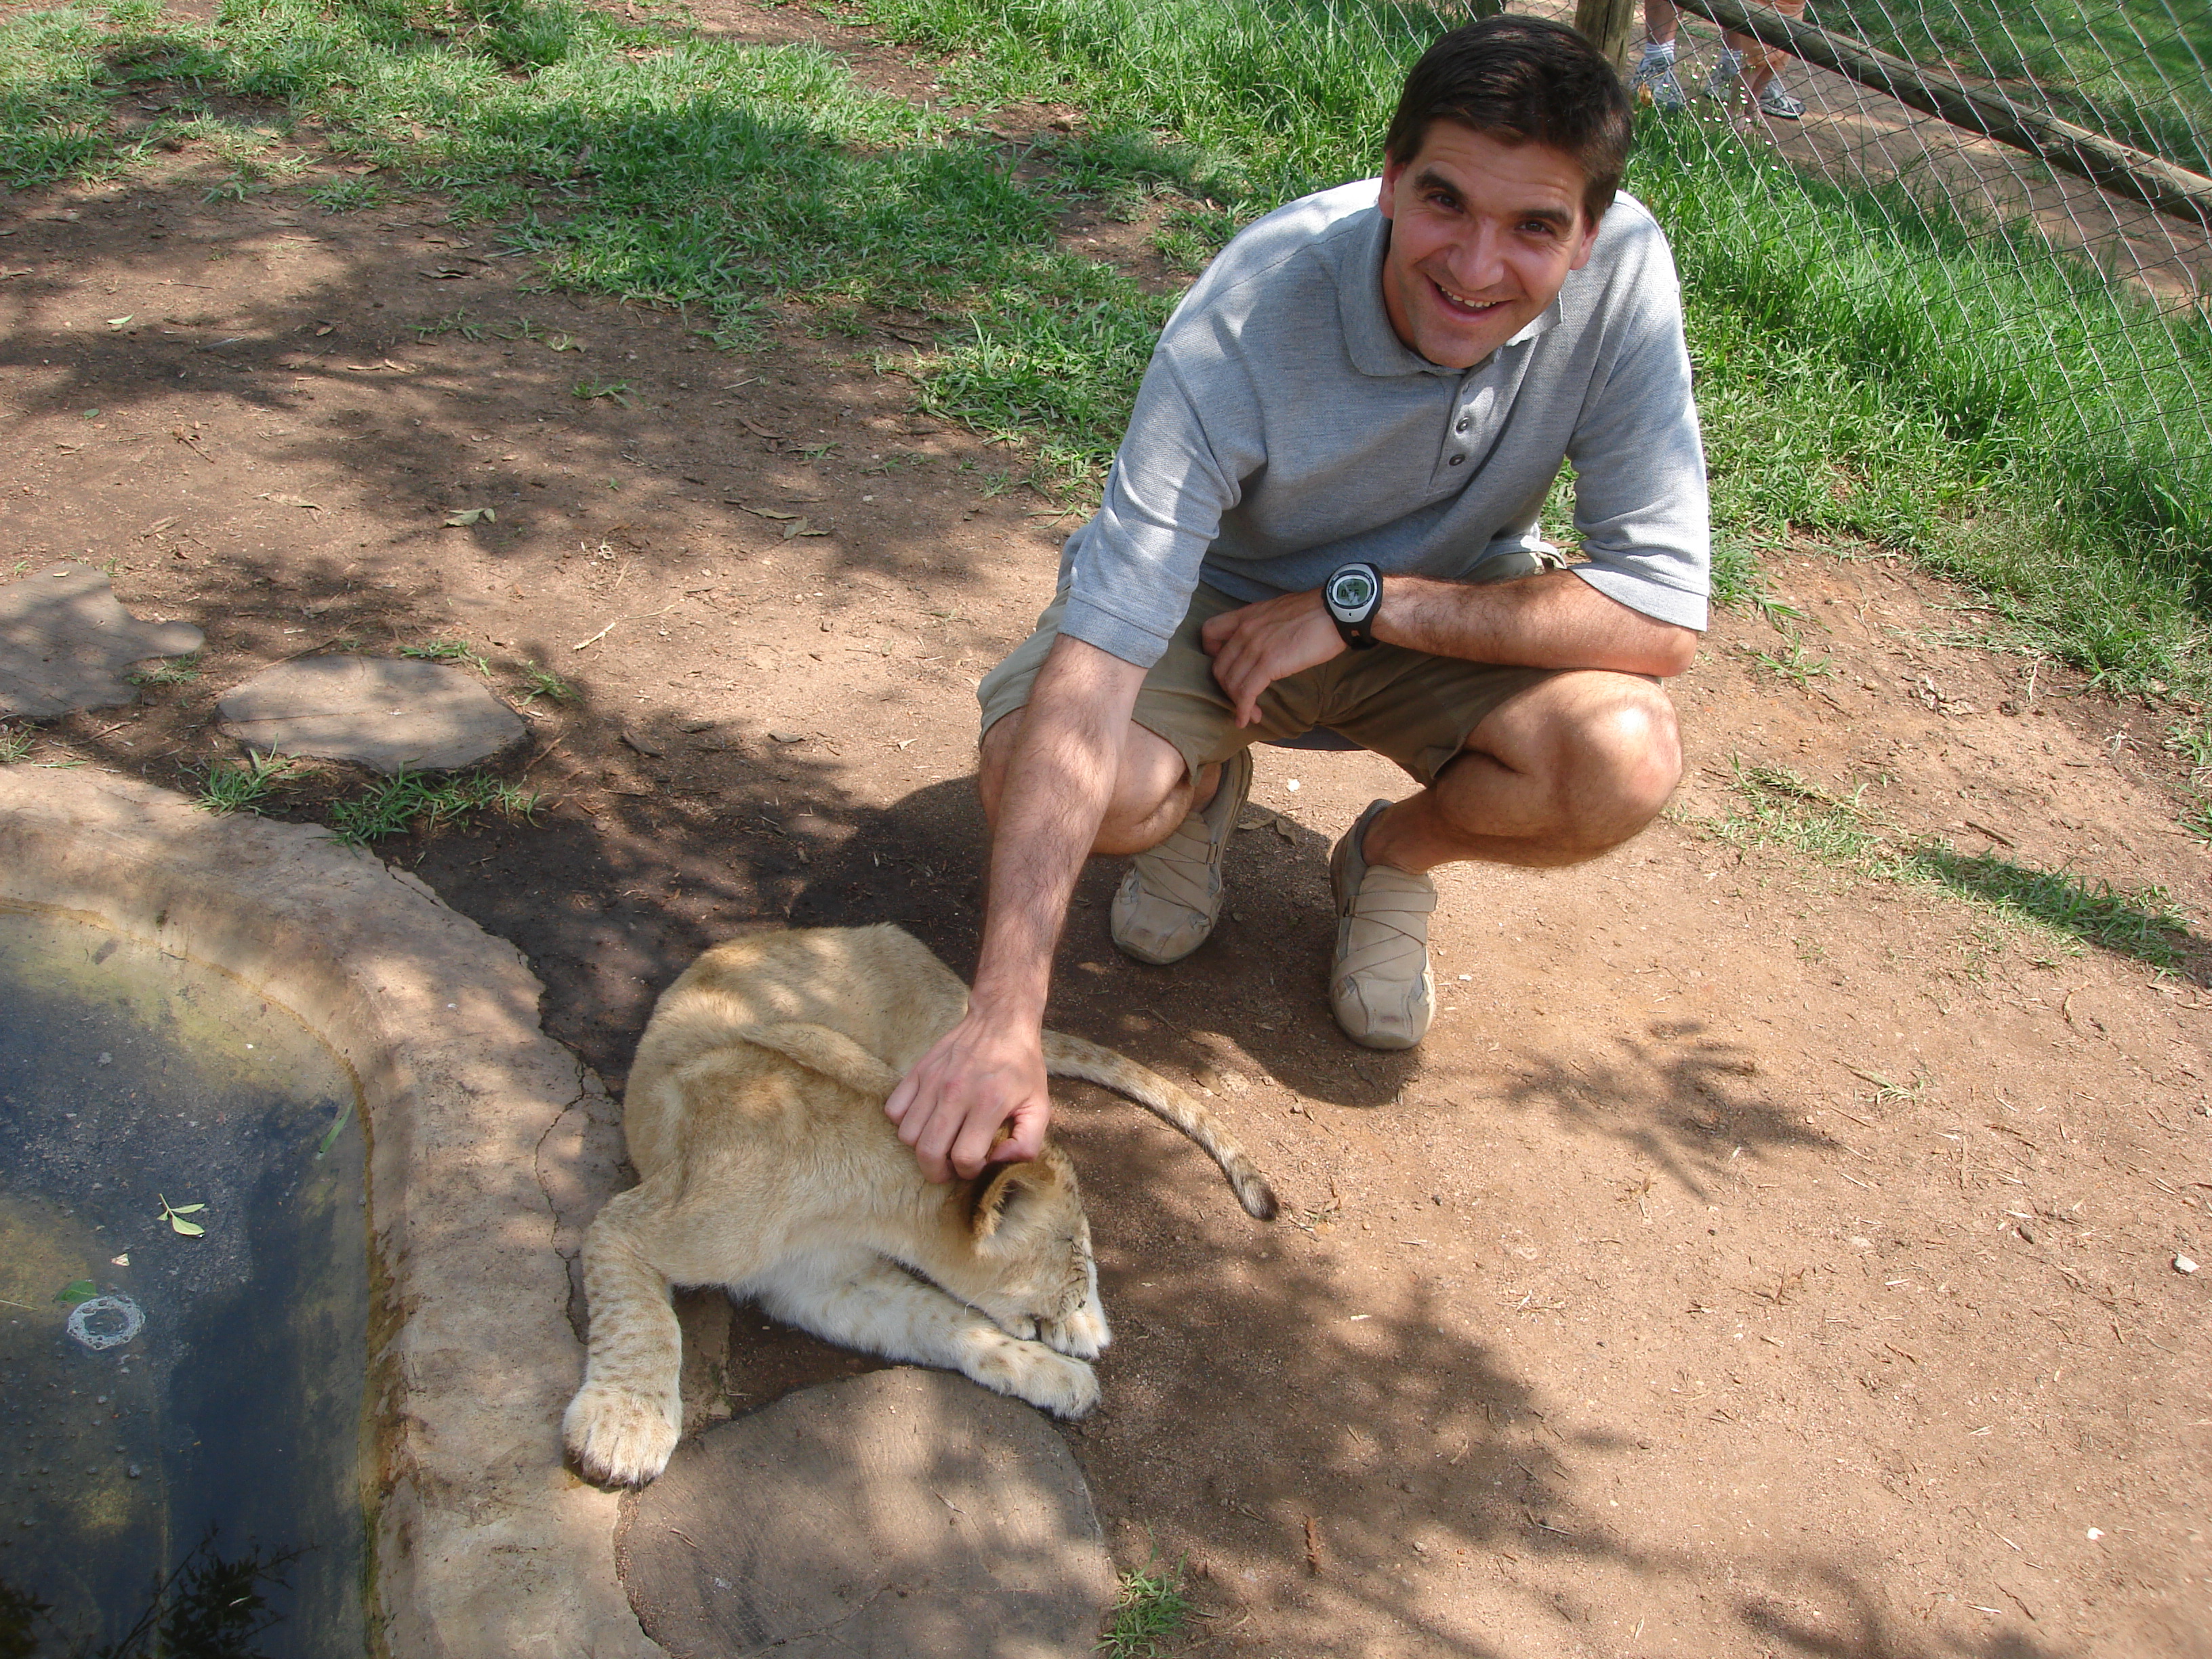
[(755, 1117)]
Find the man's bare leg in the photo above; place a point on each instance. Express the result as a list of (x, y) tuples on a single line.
[(1566, 770), (1557, 776), (1152, 791)]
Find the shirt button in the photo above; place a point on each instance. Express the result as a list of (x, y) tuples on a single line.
[(1457, 460), (1462, 425)]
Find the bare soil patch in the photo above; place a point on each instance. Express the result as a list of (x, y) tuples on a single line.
[(1758, 1259)]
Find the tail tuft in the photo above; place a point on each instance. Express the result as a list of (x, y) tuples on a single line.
[(1257, 1197)]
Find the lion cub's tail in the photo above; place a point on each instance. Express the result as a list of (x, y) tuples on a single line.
[(836, 1055), (1070, 1056)]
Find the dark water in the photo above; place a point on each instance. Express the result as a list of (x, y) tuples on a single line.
[(196, 1490)]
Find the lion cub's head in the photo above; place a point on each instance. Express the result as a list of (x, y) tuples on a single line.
[(1026, 1255)]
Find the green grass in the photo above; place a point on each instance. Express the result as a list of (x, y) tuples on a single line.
[(419, 802), (246, 785), (2133, 921), (173, 671), (2124, 68), (1776, 807), (1874, 368), (458, 652), (15, 742), (1150, 1610), (541, 682), (2191, 740)]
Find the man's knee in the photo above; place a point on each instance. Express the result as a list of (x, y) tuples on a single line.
[(1603, 750), (1633, 750), (1151, 786)]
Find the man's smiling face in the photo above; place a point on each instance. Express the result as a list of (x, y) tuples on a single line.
[(1482, 234)]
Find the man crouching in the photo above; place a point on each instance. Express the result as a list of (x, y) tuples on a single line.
[(1324, 515)]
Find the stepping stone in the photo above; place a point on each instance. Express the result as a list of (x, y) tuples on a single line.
[(390, 714), (902, 1513), (64, 637)]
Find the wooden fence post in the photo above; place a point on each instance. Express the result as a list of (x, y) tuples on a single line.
[(1608, 24)]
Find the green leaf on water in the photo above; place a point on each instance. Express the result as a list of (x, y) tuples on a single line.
[(174, 1214), (76, 1290), (331, 1135)]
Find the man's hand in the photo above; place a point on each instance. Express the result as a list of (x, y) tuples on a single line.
[(1255, 646), (981, 1074)]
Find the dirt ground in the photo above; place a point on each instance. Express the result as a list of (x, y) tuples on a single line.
[(1758, 1259)]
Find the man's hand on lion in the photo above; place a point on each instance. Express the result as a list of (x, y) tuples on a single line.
[(981, 1075), (1255, 646)]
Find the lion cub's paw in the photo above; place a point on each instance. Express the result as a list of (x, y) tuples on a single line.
[(617, 1436), (1082, 1333), (1031, 1372)]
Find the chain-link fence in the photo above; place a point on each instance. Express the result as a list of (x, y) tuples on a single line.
[(1975, 230), (2036, 255)]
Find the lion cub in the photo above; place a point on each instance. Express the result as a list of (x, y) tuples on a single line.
[(755, 1117)]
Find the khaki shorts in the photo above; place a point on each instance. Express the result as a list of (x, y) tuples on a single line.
[(1413, 708)]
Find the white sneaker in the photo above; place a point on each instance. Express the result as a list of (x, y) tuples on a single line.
[(1166, 903), (1655, 73), (1779, 104), (1380, 987)]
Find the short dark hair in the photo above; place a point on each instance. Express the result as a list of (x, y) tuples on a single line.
[(1522, 81)]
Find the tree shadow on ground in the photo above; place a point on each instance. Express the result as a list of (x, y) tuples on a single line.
[(1678, 1097)]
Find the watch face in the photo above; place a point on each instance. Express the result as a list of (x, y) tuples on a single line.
[(1351, 592)]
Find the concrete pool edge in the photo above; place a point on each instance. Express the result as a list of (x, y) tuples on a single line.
[(490, 1145)]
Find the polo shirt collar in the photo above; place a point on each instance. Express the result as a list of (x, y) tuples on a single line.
[(1375, 345)]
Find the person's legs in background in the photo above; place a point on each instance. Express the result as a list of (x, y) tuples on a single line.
[(1655, 68), (1758, 68)]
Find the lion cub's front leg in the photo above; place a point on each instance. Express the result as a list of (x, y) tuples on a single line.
[(626, 1419), (856, 1299)]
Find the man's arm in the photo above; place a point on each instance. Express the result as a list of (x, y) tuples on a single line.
[(1555, 620), (989, 1069)]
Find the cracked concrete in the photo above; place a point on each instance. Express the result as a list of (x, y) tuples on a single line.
[(482, 1130)]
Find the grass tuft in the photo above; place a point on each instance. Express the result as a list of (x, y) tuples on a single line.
[(2139, 922), (1150, 1610), (418, 802), (15, 742), (458, 653), (541, 682), (172, 671), (246, 785)]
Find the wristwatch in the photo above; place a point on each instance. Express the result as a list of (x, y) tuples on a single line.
[(1352, 594)]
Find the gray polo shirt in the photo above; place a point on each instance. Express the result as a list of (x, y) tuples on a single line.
[(1283, 429)]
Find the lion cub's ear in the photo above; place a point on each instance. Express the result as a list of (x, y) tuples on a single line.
[(996, 1194)]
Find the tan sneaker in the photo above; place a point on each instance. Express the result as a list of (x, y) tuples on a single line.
[(1380, 987), (1166, 904)]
